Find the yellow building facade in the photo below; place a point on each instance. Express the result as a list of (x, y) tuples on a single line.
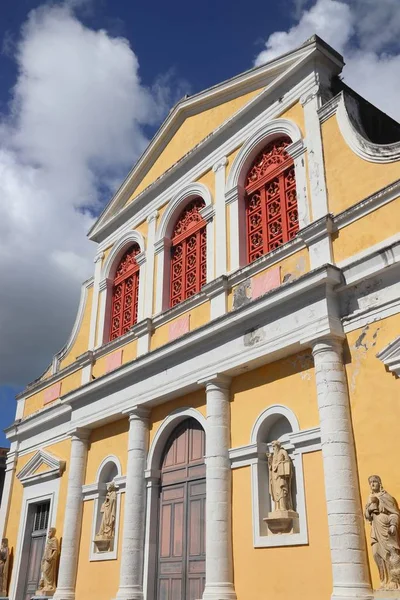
[(230, 383)]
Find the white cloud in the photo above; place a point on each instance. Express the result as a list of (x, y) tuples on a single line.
[(75, 124), (365, 31)]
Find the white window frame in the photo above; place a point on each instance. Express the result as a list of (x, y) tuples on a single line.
[(234, 190), (164, 233)]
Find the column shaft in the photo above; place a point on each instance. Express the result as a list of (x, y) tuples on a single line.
[(346, 529), (131, 575), (219, 569), (73, 517)]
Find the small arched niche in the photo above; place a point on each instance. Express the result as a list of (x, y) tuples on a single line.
[(278, 519)]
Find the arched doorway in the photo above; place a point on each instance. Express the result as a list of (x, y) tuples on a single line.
[(181, 539)]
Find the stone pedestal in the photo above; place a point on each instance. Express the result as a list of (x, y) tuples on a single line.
[(102, 545), (385, 594), (283, 521)]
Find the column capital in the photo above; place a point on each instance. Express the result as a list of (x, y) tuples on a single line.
[(98, 257), (220, 164), (138, 412), (327, 344), (152, 216), (141, 258), (80, 433), (217, 380)]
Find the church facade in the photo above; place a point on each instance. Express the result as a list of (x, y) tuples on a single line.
[(230, 385)]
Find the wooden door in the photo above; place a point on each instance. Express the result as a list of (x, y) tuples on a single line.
[(181, 546), (38, 524)]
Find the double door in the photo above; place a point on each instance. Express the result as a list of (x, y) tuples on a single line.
[(182, 524)]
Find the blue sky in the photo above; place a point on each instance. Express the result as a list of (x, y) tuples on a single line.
[(84, 85)]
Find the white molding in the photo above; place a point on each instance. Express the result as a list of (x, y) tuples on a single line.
[(95, 300), (270, 413), (390, 356), (58, 358), (119, 247), (28, 474), (377, 153)]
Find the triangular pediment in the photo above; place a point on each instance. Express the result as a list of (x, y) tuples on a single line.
[(42, 465), (235, 96)]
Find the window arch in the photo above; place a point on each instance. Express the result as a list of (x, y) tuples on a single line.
[(188, 253), (125, 293), (270, 199)]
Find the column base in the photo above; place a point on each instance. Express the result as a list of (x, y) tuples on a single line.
[(352, 592), (130, 593), (64, 594), (222, 591)]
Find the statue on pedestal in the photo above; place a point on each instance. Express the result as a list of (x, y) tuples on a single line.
[(47, 585), (383, 513), (4, 561), (283, 519), (106, 532)]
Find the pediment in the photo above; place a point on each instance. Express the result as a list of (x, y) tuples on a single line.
[(249, 86), (41, 466), (390, 356)]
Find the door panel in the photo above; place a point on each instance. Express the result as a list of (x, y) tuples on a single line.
[(181, 553)]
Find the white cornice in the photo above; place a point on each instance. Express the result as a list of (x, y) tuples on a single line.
[(55, 468)]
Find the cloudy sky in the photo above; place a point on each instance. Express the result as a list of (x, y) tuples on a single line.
[(84, 85)]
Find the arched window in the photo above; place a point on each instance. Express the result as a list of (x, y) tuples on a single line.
[(125, 293), (271, 205), (188, 253)]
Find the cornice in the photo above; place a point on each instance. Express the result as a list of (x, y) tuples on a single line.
[(390, 356)]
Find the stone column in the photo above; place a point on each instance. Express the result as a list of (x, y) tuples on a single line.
[(219, 568), (131, 574), (346, 527), (73, 516)]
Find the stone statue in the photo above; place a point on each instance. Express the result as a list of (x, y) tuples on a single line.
[(47, 585), (4, 560), (280, 477), (383, 513), (107, 526)]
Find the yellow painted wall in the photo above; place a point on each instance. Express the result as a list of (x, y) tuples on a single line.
[(82, 340), (192, 131), (130, 352), (270, 384), (109, 439), (371, 229), (349, 178), (374, 396), (35, 402), (97, 579), (208, 179), (287, 572), (195, 400), (200, 315)]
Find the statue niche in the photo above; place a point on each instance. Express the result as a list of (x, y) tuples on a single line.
[(283, 519), (383, 513), (47, 585), (4, 565), (104, 539)]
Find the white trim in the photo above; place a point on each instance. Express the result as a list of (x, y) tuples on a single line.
[(219, 170), (277, 410), (33, 494), (95, 300), (150, 273), (390, 356), (154, 457), (58, 358), (347, 112), (118, 249), (234, 190), (28, 474)]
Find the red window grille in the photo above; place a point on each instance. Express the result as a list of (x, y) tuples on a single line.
[(271, 205), (188, 253), (125, 293)]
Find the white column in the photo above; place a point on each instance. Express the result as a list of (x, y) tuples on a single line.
[(219, 568), (131, 575), (141, 261), (73, 516), (161, 249), (104, 302), (346, 527), (237, 228), (11, 464), (220, 217), (95, 299), (151, 233)]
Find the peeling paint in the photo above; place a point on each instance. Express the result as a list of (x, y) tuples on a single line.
[(361, 346), (254, 337), (242, 294)]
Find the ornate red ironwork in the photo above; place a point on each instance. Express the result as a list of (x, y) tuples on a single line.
[(271, 203), (188, 253), (125, 293)]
